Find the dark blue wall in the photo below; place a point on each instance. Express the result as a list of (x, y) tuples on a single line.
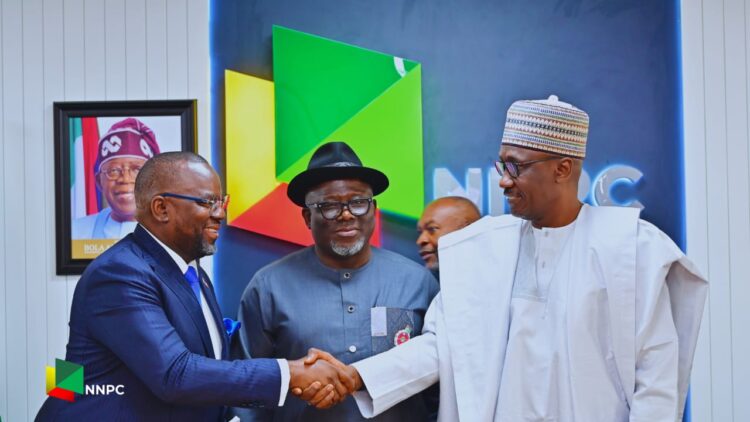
[(617, 59)]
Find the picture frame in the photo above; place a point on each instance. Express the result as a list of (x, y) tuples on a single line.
[(99, 148)]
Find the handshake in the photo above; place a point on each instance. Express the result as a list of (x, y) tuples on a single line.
[(322, 380)]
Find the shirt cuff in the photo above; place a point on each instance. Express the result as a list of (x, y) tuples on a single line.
[(284, 368)]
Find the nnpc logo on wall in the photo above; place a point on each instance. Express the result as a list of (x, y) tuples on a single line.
[(323, 91), (66, 379)]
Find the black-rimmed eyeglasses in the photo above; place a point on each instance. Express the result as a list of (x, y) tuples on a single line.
[(332, 210), (514, 168), (213, 204)]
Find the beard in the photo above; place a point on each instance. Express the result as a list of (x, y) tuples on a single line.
[(432, 266), (204, 247), (207, 248), (353, 249)]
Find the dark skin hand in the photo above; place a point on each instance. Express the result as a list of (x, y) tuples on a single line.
[(316, 395), (319, 382)]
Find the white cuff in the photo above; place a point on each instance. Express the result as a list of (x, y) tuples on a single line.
[(364, 403), (284, 368)]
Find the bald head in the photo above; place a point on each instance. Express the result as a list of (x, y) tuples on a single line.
[(440, 217), (159, 174), (458, 207)]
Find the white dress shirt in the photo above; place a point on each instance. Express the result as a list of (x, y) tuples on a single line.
[(537, 375)]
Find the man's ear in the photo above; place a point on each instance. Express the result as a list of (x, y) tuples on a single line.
[(564, 170), (159, 209), (306, 215)]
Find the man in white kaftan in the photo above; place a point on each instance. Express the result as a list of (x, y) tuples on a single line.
[(574, 313), (602, 344)]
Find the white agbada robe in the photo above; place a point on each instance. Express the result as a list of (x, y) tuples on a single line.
[(628, 324)]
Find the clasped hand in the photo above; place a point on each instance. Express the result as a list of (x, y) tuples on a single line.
[(322, 380)]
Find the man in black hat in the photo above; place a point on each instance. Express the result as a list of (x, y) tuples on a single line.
[(341, 294)]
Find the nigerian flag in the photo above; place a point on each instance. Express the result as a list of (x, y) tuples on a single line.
[(84, 138)]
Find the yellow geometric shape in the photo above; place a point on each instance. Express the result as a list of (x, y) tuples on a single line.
[(50, 384), (250, 140)]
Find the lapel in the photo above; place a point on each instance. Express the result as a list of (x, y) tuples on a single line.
[(477, 268), (208, 292), (170, 275), (613, 233)]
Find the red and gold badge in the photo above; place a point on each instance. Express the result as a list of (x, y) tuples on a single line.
[(402, 336)]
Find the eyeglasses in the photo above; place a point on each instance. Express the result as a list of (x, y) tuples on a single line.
[(514, 168), (213, 204), (114, 173), (332, 210)]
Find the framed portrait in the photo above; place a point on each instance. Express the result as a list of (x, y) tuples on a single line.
[(99, 149)]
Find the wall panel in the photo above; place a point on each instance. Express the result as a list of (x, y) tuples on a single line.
[(73, 43), (94, 38), (198, 68), (695, 196), (135, 50), (156, 49), (3, 313), (717, 150), (738, 206), (177, 49), (13, 233), (37, 258), (116, 29), (54, 90)]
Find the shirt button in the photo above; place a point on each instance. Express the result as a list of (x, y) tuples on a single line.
[(352, 348), (350, 308), (347, 275), (543, 264)]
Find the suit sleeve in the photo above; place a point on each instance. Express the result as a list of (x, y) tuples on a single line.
[(402, 371), (655, 396), (126, 315)]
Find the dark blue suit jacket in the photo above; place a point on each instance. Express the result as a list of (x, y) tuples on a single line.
[(135, 322)]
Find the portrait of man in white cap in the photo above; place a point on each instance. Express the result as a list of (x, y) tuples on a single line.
[(121, 153)]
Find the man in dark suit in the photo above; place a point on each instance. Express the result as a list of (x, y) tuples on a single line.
[(144, 316)]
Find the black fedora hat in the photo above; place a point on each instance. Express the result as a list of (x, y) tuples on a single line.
[(334, 161)]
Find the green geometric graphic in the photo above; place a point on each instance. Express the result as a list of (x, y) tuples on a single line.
[(386, 123), (330, 91), (69, 376)]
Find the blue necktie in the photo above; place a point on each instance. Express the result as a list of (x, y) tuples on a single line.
[(192, 278)]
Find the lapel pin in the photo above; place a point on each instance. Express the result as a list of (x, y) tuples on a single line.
[(402, 336)]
